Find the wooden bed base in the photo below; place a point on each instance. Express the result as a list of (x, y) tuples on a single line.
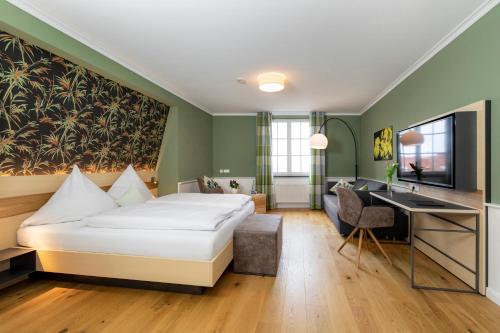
[(126, 267)]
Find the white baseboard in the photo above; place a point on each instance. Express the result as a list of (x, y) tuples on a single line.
[(493, 234), (493, 295), (292, 205)]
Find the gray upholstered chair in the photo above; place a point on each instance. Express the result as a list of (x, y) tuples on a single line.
[(362, 218)]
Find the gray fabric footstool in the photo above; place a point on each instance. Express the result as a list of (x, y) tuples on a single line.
[(257, 245)]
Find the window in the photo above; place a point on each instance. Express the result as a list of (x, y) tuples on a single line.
[(291, 154)]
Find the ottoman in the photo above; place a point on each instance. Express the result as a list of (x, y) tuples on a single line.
[(257, 245)]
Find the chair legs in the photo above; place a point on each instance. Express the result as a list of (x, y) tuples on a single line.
[(378, 245), (363, 234), (360, 243), (351, 235)]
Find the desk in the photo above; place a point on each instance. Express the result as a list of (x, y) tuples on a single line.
[(413, 204)]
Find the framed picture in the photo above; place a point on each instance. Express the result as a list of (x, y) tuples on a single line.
[(382, 144)]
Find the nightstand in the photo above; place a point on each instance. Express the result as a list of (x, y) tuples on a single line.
[(260, 203), (18, 262)]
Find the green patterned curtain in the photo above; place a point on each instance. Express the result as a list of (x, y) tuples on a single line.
[(264, 177), (317, 175)]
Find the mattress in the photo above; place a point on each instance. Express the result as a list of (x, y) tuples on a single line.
[(169, 244)]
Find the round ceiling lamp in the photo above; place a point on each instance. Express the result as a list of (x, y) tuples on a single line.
[(271, 82), (411, 138)]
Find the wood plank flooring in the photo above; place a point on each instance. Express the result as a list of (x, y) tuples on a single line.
[(317, 290)]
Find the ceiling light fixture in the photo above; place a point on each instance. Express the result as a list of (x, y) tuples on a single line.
[(271, 82)]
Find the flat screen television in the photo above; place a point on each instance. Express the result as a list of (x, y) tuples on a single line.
[(427, 157), (441, 152)]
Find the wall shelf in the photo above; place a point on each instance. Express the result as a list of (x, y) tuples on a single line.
[(21, 263)]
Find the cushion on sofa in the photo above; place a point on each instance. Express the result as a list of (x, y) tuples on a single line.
[(340, 184), (363, 188), (358, 184)]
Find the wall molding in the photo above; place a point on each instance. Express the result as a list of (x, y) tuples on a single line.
[(284, 114), (250, 114), (234, 177), (441, 44), (121, 60)]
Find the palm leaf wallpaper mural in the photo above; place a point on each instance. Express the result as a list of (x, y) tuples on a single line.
[(54, 114)]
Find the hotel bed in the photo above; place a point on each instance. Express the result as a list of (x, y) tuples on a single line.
[(179, 239), (184, 241), (170, 244)]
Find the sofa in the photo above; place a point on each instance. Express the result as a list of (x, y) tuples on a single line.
[(331, 205)]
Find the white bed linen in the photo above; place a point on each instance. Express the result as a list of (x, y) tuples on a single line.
[(164, 216), (212, 200), (171, 244)]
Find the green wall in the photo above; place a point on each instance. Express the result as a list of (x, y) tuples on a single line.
[(234, 145), (191, 149), (340, 151), (196, 143), (466, 71), (188, 140), (234, 141)]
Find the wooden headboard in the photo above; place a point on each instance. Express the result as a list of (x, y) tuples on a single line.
[(20, 196)]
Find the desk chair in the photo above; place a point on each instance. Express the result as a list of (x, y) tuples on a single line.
[(352, 211)]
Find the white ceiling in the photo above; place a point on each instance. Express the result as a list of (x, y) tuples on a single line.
[(339, 55)]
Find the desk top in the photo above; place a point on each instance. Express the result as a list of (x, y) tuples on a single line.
[(421, 204)]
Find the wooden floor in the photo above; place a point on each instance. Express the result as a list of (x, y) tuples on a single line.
[(317, 290)]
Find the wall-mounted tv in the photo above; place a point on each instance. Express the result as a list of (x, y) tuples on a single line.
[(441, 152)]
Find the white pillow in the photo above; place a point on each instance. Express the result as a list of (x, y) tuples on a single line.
[(129, 178), (341, 184), (78, 197), (131, 197)]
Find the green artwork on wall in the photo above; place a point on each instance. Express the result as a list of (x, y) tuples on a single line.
[(382, 144), (55, 113)]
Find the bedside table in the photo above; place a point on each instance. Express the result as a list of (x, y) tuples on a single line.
[(20, 263), (260, 203)]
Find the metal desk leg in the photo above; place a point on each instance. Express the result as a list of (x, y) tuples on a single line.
[(412, 250), (413, 264)]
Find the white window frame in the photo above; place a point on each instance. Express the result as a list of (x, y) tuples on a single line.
[(289, 149)]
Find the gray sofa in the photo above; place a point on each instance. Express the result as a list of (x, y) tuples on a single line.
[(331, 204)]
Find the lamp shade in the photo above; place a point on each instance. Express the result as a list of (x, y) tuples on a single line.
[(271, 82), (411, 138), (318, 141)]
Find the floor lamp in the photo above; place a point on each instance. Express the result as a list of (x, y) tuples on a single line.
[(320, 141)]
